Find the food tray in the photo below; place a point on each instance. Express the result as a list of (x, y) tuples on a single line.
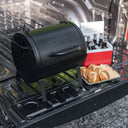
[(86, 81)]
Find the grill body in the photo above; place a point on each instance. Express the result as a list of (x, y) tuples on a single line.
[(46, 51)]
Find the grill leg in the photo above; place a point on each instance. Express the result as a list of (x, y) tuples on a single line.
[(79, 77), (43, 92), (18, 81)]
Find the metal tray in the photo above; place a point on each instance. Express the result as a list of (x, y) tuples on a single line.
[(87, 82)]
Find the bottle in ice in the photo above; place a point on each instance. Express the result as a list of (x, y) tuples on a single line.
[(88, 42), (105, 42), (95, 39), (100, 40), (92, 45)]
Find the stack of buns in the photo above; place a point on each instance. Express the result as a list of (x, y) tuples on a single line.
[(95, 73)]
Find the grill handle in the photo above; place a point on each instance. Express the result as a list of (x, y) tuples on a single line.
[(20, 46), (25, 30), (66, 51)]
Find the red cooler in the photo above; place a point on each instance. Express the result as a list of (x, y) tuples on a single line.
[(99, 56)]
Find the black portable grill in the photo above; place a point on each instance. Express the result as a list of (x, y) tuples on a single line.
[(21, 102)]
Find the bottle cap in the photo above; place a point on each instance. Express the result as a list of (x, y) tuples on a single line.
[(88, 37), (95, 34)]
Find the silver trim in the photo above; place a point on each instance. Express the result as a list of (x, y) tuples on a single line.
[(99, 4)]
